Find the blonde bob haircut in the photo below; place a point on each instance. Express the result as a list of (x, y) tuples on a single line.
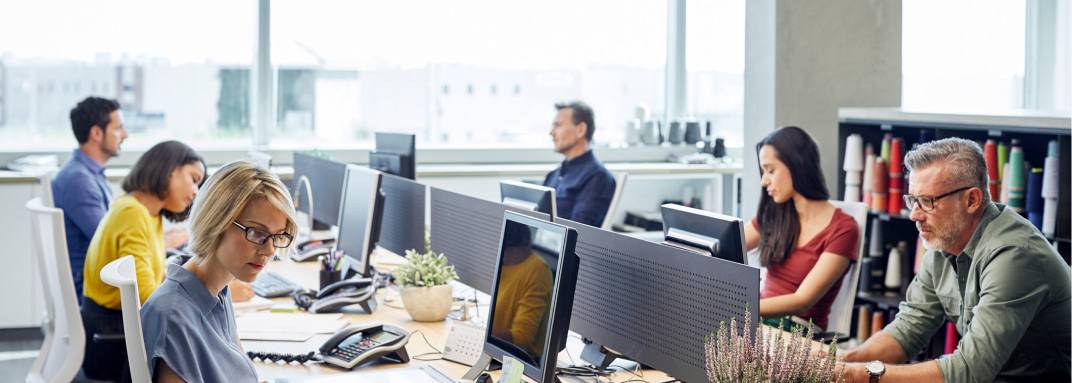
[(224, 196)]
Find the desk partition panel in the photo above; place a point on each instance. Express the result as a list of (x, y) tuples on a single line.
[(654, 303), (403, 215), (467, 230)]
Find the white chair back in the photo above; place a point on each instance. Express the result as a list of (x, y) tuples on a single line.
[(840, 319), (619, 185), (46, 190), (65, 339), (122, 274)]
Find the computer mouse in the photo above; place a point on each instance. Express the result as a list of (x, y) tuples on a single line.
[(309, 255)]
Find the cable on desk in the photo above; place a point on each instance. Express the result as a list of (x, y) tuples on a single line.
[(418, 357), (280, 357)]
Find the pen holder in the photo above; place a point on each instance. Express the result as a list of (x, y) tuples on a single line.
[(328, 277)]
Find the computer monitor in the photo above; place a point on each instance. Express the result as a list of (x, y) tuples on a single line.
[(535, 274), (396, 154), (713, 234), (529, 197), (360, 216), (654, 303), (466, 229), (325, 178), (403, 215), (263, 160)]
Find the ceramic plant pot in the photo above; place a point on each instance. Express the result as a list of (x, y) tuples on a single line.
[(427, 304)]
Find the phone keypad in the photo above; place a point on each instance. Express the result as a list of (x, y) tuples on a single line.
[(352, 351)]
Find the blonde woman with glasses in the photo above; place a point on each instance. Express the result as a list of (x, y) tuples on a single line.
[(240, 219)]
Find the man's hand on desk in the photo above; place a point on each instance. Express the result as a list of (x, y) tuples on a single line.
[(241, 291)]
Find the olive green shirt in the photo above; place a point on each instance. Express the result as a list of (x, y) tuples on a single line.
[(1008, 294)]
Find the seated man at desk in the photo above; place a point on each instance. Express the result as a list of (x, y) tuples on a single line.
[(987, 269), (80, 188), (583, 187)]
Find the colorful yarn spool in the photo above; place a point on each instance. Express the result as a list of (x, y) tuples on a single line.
[(863, 323), (869, 174), (1003, 158), (920, 252), (885, 148), (951, 338), (896, 176), (1034, 198), (893, 273), (878, 322), (990, 151), (1051, 175), (1016, 178), (853, 166), (879, 196)]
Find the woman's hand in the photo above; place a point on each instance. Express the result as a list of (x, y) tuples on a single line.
[(241, 291)]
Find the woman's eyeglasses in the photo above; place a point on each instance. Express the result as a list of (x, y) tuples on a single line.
[(259, 236)]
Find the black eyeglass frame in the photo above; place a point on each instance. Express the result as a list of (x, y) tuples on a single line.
[(252, 231), (911, 200)]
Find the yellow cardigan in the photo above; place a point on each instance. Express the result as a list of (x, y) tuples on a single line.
[(522, 303), (126, 229)]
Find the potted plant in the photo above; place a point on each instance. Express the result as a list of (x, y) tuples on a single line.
[(426, 289), (768, 357)]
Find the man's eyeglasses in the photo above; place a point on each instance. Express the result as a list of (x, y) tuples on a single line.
[(259, 236), (927, 203)]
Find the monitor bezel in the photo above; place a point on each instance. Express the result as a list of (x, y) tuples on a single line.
[(359, 263), (561, 300), (675, 216), (528, 196), (397, 145)]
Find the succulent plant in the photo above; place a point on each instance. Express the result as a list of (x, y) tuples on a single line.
[(424, 269)]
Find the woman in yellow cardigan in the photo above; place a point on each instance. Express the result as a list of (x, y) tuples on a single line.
[(162, 184)]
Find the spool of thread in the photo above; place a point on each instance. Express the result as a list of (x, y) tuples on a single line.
[(1003, 158), (1034, 198), (1016, 178), (632, 131), (896, 176), (879, 196), (650, 133), (893, 272), (676, 134), (869, 174), (876, 246), (952, 338), (1050, 192), (853, 166), (990, 151), (885, 148), (640, 112), (878, 322), (863, 323), (692, 132), (864, 285), (1005, 184)]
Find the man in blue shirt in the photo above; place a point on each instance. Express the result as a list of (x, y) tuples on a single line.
[(583, 187), (80, 188)]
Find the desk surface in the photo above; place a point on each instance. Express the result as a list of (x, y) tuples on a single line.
[(436, 333)]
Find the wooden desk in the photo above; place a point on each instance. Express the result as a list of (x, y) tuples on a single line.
[(436, 332)]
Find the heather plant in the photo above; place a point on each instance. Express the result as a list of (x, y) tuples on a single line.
[(733, 357)]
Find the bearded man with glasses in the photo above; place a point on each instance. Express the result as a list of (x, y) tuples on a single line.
[(987, 269)]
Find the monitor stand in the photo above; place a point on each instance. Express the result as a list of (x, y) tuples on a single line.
[(600, 356), (485, 363)]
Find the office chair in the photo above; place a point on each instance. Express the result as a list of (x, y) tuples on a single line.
[(65, 338), (121, 273), (619, 185), (841, 310), (46, 190)]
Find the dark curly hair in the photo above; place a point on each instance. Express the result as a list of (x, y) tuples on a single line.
[(93, 111), (152, 173)]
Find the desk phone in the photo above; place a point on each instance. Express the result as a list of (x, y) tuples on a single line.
[(353, 346), (360, 291)]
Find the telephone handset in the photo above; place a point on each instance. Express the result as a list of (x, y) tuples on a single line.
[(309, 250), (361, 291), (359, 344)]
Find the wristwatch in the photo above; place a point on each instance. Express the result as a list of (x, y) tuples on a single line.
[(875, 369)]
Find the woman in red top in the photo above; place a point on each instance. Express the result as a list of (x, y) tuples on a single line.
[(805, 243)]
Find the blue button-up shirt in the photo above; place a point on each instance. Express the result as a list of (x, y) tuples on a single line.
[(193, 331), (583, 189), (81, 190)]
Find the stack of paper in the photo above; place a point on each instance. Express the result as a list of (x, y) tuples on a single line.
[(297, 327)]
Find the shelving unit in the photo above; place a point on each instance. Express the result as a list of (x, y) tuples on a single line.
[(1034, 129)]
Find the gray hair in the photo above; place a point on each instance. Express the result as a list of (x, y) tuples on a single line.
[(964, 158)]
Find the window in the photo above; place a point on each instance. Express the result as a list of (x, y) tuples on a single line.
[(371, 66), (963, 54), (714, 44), (179, 71)]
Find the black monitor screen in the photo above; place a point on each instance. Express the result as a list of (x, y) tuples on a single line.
[(358, 216), (714, 234), (403, 215), (529, 197), (534, 280), (396, 154), (325, 181)]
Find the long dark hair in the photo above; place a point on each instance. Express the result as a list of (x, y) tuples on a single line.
[(152, 173), (779, 224)]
